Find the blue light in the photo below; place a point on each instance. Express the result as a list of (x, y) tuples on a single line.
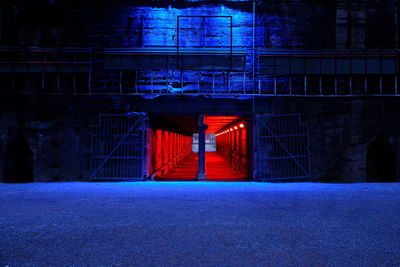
[(161, 23)]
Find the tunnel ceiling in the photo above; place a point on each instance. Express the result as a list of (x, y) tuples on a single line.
[(216, 123), (189, 122)]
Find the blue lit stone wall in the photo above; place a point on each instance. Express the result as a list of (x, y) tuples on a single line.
[(278, 25), (160, 27)]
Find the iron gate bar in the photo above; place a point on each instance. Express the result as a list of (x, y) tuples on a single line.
[(287, 151), (281, 159), (109, 156)]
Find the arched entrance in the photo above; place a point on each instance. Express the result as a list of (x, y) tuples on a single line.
[(18, 161), (381, 160)]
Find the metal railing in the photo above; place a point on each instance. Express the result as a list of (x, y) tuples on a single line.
[(172, 162), (67, 71)]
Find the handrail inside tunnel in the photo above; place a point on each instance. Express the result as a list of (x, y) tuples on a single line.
[(233, 145), (173, 161)]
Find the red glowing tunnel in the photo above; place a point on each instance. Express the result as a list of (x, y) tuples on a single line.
[(172, 147)]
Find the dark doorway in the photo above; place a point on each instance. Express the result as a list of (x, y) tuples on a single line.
[(381, 160), (18, 161)]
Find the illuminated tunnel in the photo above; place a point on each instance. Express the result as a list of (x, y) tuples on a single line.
[(172, 153)]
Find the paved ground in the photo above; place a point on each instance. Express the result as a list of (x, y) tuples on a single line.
[(199, 223)]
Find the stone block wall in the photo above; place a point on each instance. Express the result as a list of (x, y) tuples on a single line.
[(278, 25), (341, 132)]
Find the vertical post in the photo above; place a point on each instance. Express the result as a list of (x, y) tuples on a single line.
[(198, 82), (380, 75), (231, 43), (365, 76), (151, 82), (275, 73), (120, 82), (136, 76), (74, 76), (336, 89), (244, 82), (305, 76), (203, 25), (201, 173), (254, 51), (350, 76), (213, 82), (177, 43), (396, 74), (229, 81), (182, 81), (142, 31), (74, 80), (396, 27), (320, 76), (43, 71), (290, 76), (58, 82), (90, 73), (349, 26)]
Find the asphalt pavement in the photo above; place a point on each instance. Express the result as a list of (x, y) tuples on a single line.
[(199, 224)]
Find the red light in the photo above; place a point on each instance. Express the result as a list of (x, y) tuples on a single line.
[(241, 125), (236, 127)]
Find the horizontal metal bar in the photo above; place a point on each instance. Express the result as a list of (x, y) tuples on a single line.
[(182, 52), (233, 95), (286, 135), (324, 53), (46, 49), (203, 16), (116, 157), (283, 178), (117, 178), (45, 62), (115, 135), (279, 158)]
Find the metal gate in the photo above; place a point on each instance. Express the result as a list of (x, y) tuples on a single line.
[(118, 147), (281, 148)]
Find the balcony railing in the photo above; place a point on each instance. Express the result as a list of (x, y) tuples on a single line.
[(153, 71)]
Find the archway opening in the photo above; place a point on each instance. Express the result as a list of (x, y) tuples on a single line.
[(381, 160), (18, 161)]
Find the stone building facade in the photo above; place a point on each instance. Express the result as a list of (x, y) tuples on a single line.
[(333, 62)]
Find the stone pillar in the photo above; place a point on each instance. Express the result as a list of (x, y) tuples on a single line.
[(202, 127)]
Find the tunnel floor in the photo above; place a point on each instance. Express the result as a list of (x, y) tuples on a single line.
[(217, 169)]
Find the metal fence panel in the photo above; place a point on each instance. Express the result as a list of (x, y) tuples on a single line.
[(117, 150), (281, 148)]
